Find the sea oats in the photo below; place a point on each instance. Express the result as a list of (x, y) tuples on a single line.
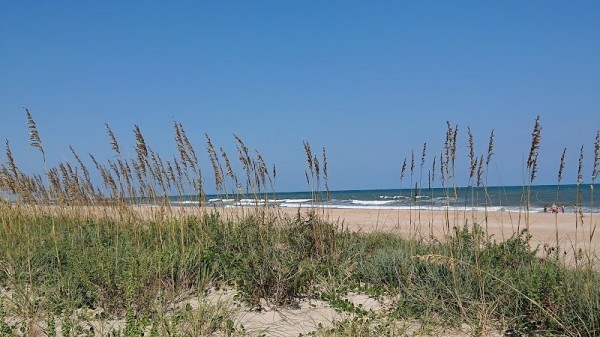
[(412, 163), (141, 150), (403, 170), (433, 169), (480, 172), (325, 176), (532, 160), (596, 157), (34, 136), (113, 140), (423, 155), (473, 160), (562, 165), (490, 151), (580, 167), (309, 158), (216, 165)]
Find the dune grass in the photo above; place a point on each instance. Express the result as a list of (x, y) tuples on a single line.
[(81, 259)]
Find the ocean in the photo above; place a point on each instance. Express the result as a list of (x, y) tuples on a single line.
[(499, 198)]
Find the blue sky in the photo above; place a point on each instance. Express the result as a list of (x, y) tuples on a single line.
[(369, 80)]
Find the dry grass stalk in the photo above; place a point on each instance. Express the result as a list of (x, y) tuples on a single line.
[(317, 172), (54, 184), (562, 166), (490, 151), (423, 155), (442, 170), (534, 151), (11, 161), (126, 173), (447, 147), (189, 148), (480, 172), (450, 147), (216, 165), (246, 160), (578, 203), (88, 188), (190, 154), (473, 160), (412, 165), (151, 164), (594, 175), (402, 171), (12, 173), (141, 150), (34, 136), (474, 166), (161, 175), (73, 183), (230, 172), (453, 147), (325, 176), (580, 167), (310, 180), (309, 158), (40, 188), (179, 172), (171, 174), (113, 140), (140, 179), (65, 178), (263, 172), (185, 159), (532, 161), (596, 157), (115, 169), (433, 169)]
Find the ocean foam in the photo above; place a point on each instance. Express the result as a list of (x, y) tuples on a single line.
[(372, 202)]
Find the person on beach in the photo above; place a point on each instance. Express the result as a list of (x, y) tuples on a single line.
[(545, 208), (562, 208), (554, 208)]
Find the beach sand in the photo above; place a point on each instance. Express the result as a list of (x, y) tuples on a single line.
[(543, 227), (572, 232)]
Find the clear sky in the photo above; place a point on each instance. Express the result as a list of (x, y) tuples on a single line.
[(369, 80)]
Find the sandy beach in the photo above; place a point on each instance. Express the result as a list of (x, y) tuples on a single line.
[(543, 227)]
